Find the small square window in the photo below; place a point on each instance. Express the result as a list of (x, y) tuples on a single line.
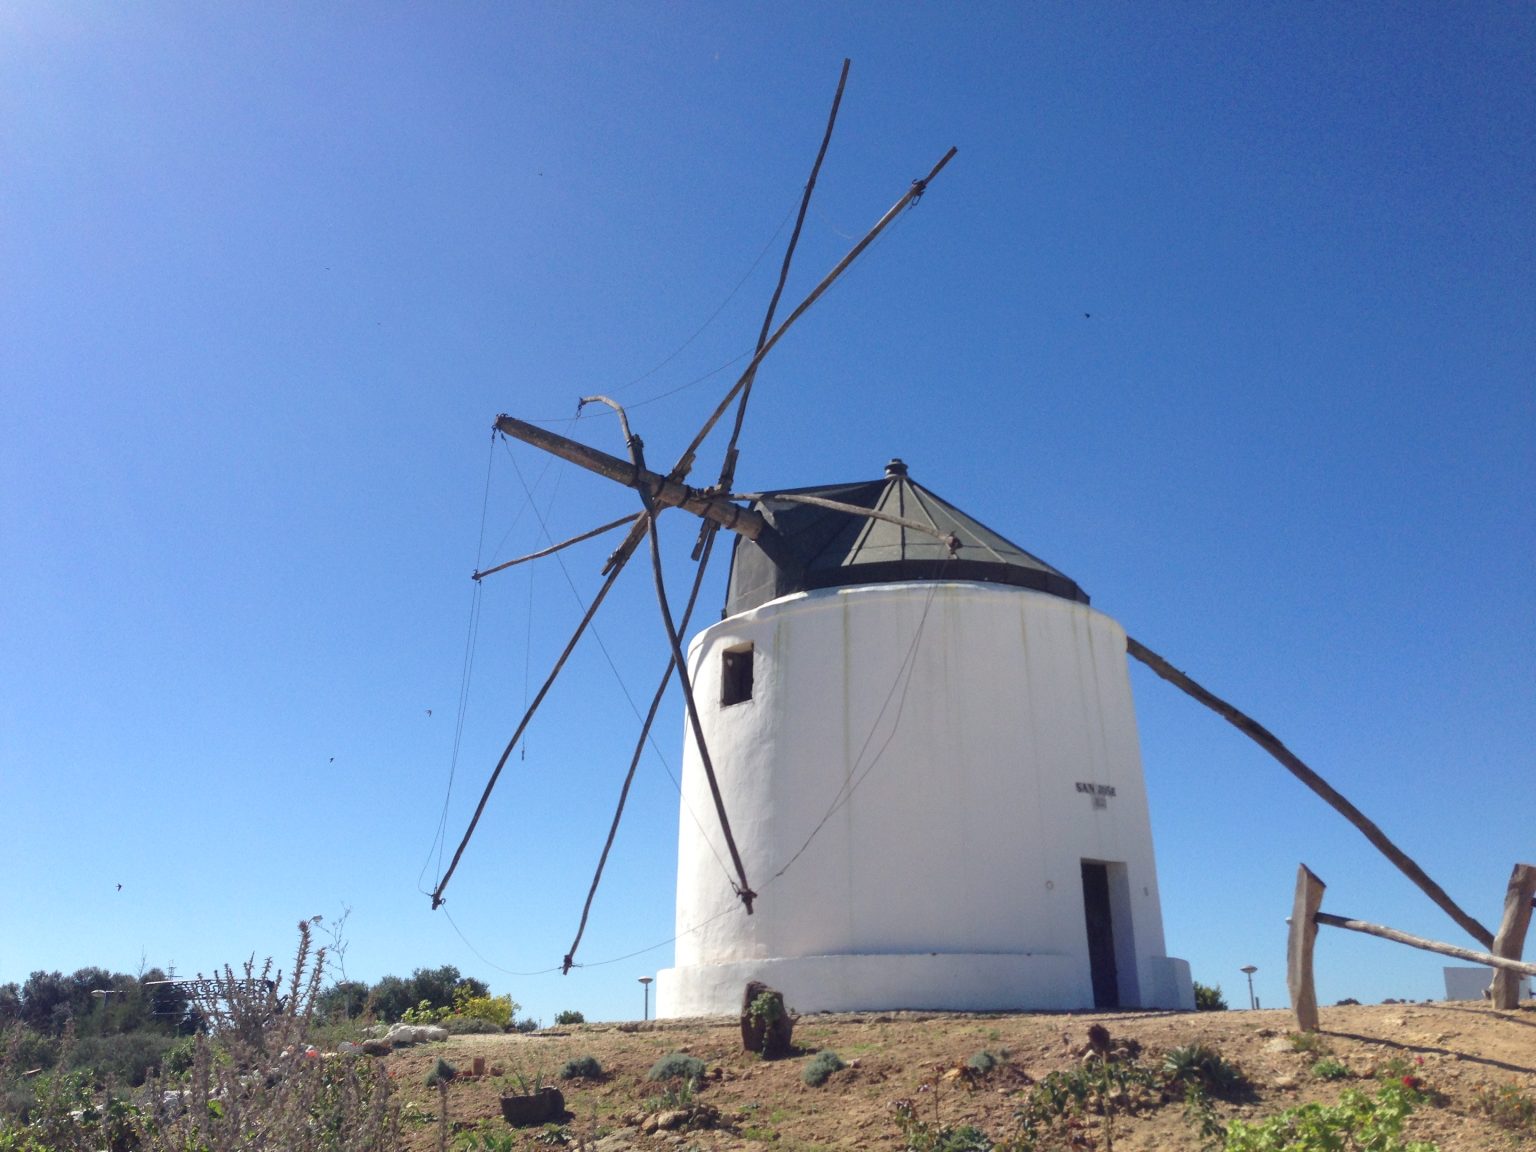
[(736, 675)]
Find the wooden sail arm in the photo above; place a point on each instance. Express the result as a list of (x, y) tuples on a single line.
[(1293, 763), (663, 493), (553, 548)]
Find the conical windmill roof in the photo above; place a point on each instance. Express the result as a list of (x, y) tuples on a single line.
[(819, 547)]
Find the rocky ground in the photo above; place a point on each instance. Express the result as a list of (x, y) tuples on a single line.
[(1456, 1049)]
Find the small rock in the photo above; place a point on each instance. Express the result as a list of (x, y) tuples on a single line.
[(676, 1118), (1284, 1082)]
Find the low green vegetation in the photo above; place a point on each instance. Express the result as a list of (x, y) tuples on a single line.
[(677, 1066), (1357, 1121), (1330, 1069), (582, 1068), (819, 1068), (1507, 1106)]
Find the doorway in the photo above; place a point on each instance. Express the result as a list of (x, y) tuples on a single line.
[(1101, 935)]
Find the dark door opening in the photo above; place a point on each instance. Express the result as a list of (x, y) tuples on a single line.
[(1101, 935)]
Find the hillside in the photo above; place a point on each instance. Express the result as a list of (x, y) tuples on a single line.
[(1456, 1049)]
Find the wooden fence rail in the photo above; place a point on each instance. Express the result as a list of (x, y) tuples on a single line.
[(1504, 959)]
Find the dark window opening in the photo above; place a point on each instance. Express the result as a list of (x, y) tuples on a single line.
[(736, 676)]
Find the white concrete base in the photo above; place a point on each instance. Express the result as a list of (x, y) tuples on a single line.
[(944, 981)]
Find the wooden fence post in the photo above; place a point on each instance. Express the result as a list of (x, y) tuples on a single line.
[(1298, 967), (1510, 939)]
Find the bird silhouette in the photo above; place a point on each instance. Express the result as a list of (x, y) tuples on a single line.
[(333, 760), (119, 887), (429, 711)]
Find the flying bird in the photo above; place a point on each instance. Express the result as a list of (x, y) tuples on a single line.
[(429, 711), (119, 887)]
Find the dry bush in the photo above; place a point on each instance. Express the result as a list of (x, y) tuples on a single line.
[(255, 1083)]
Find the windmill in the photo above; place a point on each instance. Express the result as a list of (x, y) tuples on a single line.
[(915, 737)]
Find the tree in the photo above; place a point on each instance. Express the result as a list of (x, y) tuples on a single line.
[(345, 999), (1209, 998), (45, 1002)]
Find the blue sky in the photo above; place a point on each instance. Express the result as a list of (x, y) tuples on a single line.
[(1228, 311)]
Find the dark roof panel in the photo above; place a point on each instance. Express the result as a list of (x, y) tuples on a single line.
[(818, 547)]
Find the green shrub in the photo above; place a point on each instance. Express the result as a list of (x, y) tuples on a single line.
[(1506, 1105), (527, 1024), (985, 1062), (469, 1026), (125, 1058), (821, 1066), (1208, 998), (424, 1013), (677, 1066), (570, 1016), (1204, 1067), (441, 1073), (499, 1010), (1330, 1069), (582, 1068)]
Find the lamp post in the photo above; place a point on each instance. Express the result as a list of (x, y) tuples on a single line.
[(1248, 970), (645, 1012)]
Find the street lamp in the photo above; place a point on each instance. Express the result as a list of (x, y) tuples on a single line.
[(1249, 970), (645, 1013)]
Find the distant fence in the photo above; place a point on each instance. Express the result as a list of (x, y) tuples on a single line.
[(1508, 942)]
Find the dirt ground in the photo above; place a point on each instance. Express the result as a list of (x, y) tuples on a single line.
[(1453, 1047)]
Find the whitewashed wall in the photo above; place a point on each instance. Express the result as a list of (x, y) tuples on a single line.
[(903, 786)]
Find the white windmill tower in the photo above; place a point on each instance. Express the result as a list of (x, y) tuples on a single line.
[(925, 738)]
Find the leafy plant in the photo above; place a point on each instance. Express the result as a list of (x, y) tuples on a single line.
[(767, 1008), (919, 1135), (425, 1013), (1208, 998), (1357, 1122), (1330, 1069), (569, 1016), (527, 1024), (820, 1067), (677, 1066), (441, 1073), (582, 1068)]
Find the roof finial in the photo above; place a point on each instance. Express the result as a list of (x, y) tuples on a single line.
[(897, 467)]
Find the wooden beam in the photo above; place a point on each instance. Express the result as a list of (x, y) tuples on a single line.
[(1397, 937), (1298, 951), (1509, 942), (1271, 744), (663, 493)]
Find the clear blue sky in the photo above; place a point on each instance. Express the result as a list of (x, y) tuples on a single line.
[(1228, 311)]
